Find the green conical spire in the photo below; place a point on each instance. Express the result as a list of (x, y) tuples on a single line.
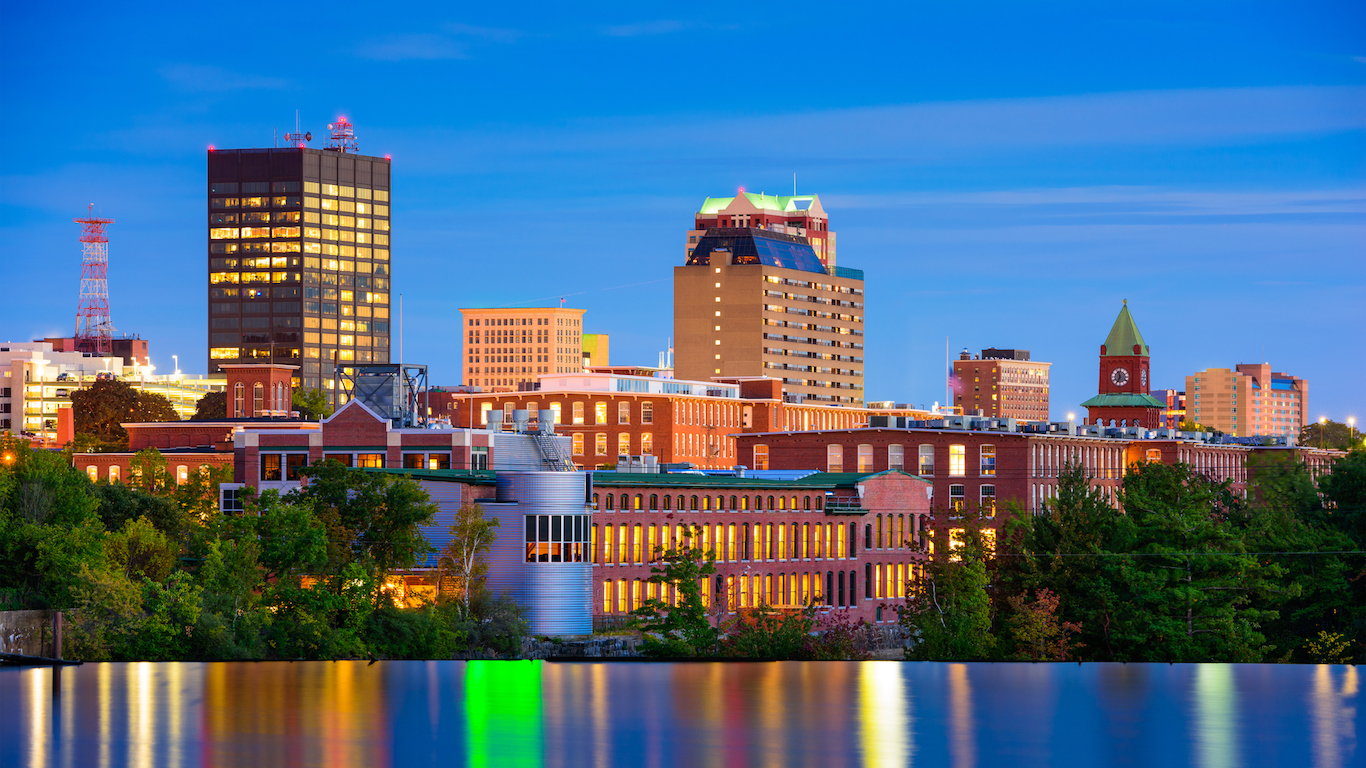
[(1124, 336)]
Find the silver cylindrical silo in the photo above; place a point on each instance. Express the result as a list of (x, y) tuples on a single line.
[(557, 595)]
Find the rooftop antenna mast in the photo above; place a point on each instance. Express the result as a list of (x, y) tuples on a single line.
[(298, 138), (343, 137), (94, 330)]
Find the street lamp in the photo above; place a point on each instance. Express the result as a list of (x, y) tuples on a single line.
[(176, 358), (1323, 426), (1351, 429)]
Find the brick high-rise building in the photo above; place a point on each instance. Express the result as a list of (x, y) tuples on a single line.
[(1002, 383), (755, 302), (1249, 400), (508, 349), (298, 265), (799, 215)]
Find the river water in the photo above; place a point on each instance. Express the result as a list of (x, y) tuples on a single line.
[(491, 714)]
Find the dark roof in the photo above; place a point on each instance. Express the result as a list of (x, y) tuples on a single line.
[(757, 246), (472, 477), (822, 480)]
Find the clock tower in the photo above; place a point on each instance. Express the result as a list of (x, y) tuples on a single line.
[(1124, 380)]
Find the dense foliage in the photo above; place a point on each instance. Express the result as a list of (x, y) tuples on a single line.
[(100, 410), (1188, 571), (152, 570)]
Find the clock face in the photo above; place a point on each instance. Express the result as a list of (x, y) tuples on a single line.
[(1119, 376)]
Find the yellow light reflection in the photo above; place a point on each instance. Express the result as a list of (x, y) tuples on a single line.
[(886, 720), (106, 729), (1334, 715), (1216, 717), (962, 728), (38, 725)]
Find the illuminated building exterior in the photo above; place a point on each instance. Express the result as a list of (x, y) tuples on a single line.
[(298, 259), (608, 415), (36, 383), (798, 215), (1002, 383), (596, 351), (752, 302), (507, 350), (1175, 412), (845, 541), (1248, 400)]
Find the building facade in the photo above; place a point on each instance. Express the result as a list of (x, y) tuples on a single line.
[(1175, 412), (844, 541), (1251, 399), (611, 415), (1124, 380), (798, 215), (1002, 383), (299, 268), (752, 302), (507, 350), (597, 351)]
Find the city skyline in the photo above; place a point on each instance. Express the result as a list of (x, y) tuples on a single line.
[(1223, 197)]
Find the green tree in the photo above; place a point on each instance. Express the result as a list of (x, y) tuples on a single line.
[(683, 629), (147, 470), (464, 561), (292, 540), (119, 503), (1191, 580), (765, 632), (1331, 434), (311, 404), (948, 613), (372, 518), (213, 405), (139, 550), (102, 408)]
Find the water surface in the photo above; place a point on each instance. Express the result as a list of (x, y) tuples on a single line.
[(819, 714)]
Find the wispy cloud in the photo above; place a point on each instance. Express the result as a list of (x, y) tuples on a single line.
[(201, 78), (662, 27), (494, 34), (421, 46)]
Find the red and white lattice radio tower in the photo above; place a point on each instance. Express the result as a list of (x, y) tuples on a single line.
[(93, 327), (343, 138)]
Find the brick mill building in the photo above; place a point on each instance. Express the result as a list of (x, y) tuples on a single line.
[(1002, 383), (608, 415), (842, 540)]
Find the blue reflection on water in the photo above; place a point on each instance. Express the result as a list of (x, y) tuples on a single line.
[(530, 713)]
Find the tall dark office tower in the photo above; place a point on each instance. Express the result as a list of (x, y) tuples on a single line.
[(299, 267)]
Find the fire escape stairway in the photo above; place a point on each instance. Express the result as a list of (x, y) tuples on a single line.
[(550, 453)]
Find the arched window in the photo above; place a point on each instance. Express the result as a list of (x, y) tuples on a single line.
[(830, 588), (720, 503), (793, 504), (744, 554), (680, 504), (806, 502), (654, 500), (868, 536), (853, 539), (841, 589), (113, 473), (93, 471), (625, 502), (744, 502), (595, 501), (238, 406), (782, 502), (611, 501), (182, 474), (853, 589), (770, 503), (880, 540), (694, 504), (640, 500), (668, 502), (258, 398), (732, 504)]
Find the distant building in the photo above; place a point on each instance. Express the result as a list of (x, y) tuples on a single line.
[(131, 349), (609, 415), (1002, 383), (299, 269), (36, 383), (753, 302), (507, 350), (1249, 400), (1175, 412), (1124, 360), (798, 215), (596, 351)]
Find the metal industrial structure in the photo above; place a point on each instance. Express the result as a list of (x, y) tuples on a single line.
[(396, 391), (94, 329), (343, 137)]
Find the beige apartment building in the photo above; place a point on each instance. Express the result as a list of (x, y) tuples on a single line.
[(506, 350), (752, 302), (1251, 399)]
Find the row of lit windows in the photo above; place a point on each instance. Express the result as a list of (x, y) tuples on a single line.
[(114, 473), (783, 590)]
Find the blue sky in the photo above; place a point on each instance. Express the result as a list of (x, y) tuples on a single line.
[(1006, 175)]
